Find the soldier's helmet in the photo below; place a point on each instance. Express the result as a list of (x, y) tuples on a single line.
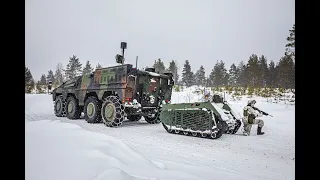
[(207, 96), (251, 102)]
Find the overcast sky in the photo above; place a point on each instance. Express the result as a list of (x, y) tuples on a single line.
[(201, 31)]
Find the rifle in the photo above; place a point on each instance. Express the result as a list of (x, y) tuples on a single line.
[(264, 113)]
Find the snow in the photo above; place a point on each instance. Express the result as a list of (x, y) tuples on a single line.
[(220, 111), (59, 148)]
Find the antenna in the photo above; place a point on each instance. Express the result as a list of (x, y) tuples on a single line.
[(123, 47), (137, 62)]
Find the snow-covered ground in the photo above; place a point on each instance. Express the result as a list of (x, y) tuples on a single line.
[(58, 148)]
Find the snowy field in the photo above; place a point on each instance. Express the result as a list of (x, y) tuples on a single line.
[(58, 148)]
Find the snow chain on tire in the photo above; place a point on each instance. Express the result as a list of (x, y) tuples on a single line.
[(60, 107), (112, 111)]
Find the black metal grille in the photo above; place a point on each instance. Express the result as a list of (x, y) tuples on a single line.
[(192, 119)]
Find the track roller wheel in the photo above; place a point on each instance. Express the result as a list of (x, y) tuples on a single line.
[(203, 134), (195, 134)]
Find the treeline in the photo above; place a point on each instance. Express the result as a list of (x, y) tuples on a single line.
[(73, 69), (257, 71)]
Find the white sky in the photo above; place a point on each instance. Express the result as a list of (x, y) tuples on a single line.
[(201, 31)]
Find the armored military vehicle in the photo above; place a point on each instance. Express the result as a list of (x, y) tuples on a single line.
[(210, 119), (110, 94)]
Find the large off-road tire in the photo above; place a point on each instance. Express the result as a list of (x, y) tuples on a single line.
[(72, 108), (134, 117), (153, 120), (92, 110), (60, 107), (112, 111)]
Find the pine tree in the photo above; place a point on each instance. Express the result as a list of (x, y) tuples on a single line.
[(50, 77), (242, 79), (285, 72), (58, 75), (219, 76), (29, 82), (290, 46), (253, 70), (73, 69), (87, 69), (187, 74), (173, 68), (159, 66), (263, 74), (31, 86), (233, 75), (210, 80), (39, 87), (200, 77), (28, 75), (43, 80), (99, 66), (271, 80), (224, 73), (293, 75)]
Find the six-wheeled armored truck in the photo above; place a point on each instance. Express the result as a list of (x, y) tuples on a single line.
[(110, 94)]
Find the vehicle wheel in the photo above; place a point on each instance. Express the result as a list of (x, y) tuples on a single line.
[(112, 111), (134, 117), (60, 107), (153, 120), (92, 110), (221, 129), (204, 135), (72, 108)]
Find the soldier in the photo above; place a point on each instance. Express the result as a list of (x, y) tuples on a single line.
[(249, 118), (207, 97), (49, 87)]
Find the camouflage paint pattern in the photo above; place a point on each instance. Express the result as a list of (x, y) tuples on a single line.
[(113, 80)]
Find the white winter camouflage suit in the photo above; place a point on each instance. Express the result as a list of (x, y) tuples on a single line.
[(247, 123)]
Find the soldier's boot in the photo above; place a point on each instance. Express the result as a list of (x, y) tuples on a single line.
[(259, 131)]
